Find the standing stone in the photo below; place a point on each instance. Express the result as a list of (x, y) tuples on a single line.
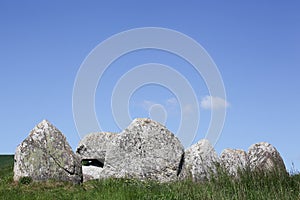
[(93, 146), (233, 161), (144, 150), (45, 154), (264, 157), (200, 161)]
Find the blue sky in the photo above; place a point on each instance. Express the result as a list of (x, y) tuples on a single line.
[(255, 45)]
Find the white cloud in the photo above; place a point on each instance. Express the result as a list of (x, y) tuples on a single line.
[(172, 101), (213, 103)]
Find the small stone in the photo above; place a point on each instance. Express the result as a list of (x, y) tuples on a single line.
[(264, 157), (200, 162), (92, 151), (233, 161), (94, 146), (91, 173)]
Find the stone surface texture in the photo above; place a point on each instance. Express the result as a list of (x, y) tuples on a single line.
[(233, 161), (45, 154), (94, 145), (144, 150), (91, 173), (264, 157), (200, 161)]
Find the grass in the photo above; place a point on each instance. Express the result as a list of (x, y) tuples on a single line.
[(6, 161), (249, 186)]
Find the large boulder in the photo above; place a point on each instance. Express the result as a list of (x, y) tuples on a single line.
[(94, 145), (144, 150), (264, 157), (233, 161), (200, 162), (45, 154)]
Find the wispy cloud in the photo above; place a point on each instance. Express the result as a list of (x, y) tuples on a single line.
[(172, 105), (146, 104), (213, 103), (172, 102), (188, 109)]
